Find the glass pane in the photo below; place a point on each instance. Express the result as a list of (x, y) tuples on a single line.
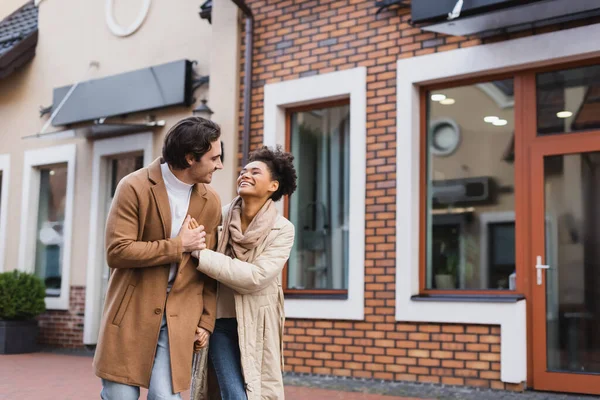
[(123, 166), (51, 218), (572, 196), (470, 185), (568, 100), (118, 168), (320, 207)]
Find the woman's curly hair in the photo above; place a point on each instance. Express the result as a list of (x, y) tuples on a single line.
[(281, 166)]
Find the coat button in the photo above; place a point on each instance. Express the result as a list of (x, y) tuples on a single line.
[(157, 311)]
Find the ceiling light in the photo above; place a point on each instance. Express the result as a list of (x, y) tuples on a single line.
[(564, 114), (438, 97), (448, 102), (491, 119), (500, 122)]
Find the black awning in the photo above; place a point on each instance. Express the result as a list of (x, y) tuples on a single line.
[(145, 89), (206, 10), (18, 38), (491, 17)]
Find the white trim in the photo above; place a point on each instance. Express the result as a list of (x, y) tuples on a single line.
[(29, 211), (102, 149), (117, 29), (5, 169), (484, 220), (350, 83), (533, 51)]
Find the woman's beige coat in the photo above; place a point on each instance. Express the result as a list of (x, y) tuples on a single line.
[(258, 306)]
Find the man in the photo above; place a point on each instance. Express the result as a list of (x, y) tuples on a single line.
[(156, 298)]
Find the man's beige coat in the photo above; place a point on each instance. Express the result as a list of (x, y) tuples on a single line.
[(258, 307), (139, 252)]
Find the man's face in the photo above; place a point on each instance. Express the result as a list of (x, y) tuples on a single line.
[(201, 171)]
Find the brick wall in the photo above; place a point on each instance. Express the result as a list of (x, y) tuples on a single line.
[(432, 353), (298, 38), (64, 328)]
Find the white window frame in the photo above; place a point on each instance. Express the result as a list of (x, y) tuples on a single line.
[(33, 159), (5, 169), (352, 84), (532, 51), (102, 150)]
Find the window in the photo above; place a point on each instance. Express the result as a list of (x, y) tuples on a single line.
[(46, 219), (112, 160), (470, 175), (320, 207), (567, 100), (50, 226), (323, 91)]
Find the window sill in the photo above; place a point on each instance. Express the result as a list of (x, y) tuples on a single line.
[(316, 296), (469, 298)]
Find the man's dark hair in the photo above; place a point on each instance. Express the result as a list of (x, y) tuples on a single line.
[(281, 166), (190, 135)]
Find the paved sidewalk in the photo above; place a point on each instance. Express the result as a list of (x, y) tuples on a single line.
[(422, 391), (47, 376), (59, 376)]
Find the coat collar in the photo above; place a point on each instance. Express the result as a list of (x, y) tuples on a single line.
[(159, 190)]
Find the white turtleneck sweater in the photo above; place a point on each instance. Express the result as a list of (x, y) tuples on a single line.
[(179, 201)]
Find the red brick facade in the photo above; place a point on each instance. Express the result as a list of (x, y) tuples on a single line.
[(448, 354), (298, 38), (64, 328)]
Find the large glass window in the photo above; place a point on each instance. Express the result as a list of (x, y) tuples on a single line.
[(568, 100), (470, 236), (50, 222), (319, 209)]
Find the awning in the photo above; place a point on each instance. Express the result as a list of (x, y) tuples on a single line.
[(18, 38), (146, 89)]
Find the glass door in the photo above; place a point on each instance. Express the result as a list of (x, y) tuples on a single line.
[(118, 167), (565, 262)]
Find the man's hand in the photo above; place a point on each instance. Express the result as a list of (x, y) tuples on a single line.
[(201, 339), (192, 239)]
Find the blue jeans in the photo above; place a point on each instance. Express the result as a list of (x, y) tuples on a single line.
[(224, 353), (160, 380)]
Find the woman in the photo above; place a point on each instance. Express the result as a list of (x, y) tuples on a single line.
[(245, 348)]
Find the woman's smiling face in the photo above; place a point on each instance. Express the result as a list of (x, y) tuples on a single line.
[(255, 181)]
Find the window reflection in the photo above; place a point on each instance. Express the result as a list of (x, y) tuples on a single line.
[(568, 100), (50, 224), (470, 185), (320, 206)]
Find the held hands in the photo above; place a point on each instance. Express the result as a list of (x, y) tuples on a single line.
[(201, 339), (194, 224), (192, 238)]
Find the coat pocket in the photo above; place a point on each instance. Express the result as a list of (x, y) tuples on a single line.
[(123, 306)]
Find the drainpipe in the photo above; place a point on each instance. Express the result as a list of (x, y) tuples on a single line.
[(247, 78)]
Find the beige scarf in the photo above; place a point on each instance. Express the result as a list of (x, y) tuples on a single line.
[(239, 245)]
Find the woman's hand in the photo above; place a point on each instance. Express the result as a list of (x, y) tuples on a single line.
[(201, 339), (192, 236)]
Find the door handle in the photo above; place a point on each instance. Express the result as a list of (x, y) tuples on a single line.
[(539, 267)]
